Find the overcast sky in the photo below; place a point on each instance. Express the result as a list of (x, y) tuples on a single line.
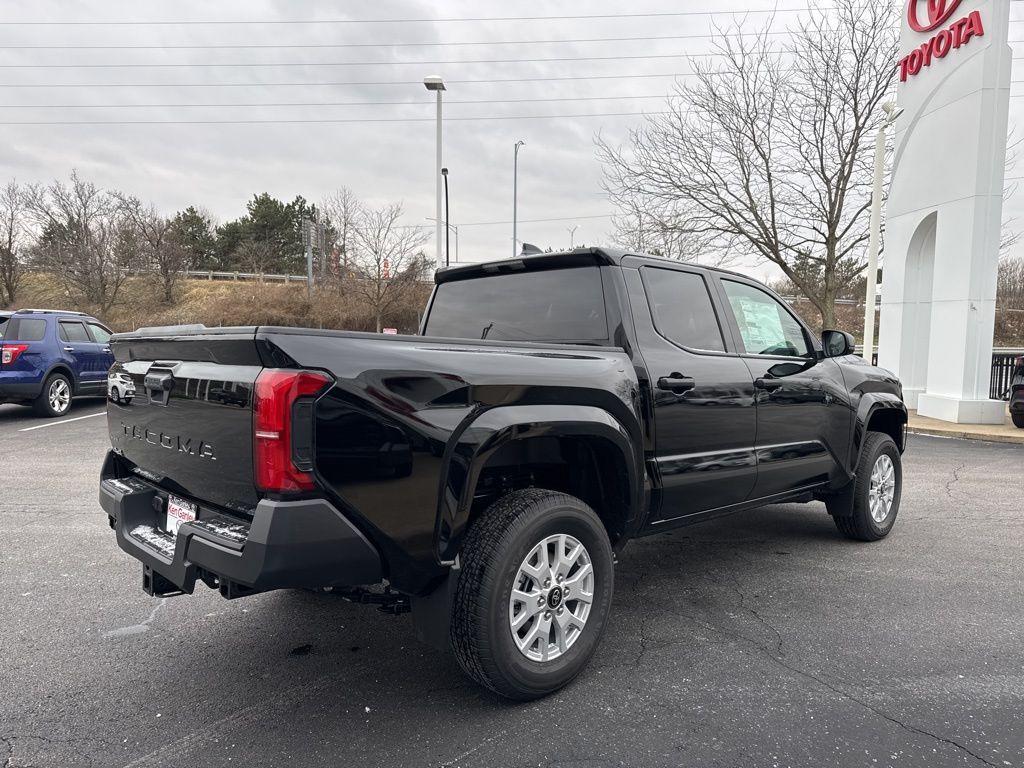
[(219, 167)]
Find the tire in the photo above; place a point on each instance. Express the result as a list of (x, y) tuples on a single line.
[(115, 395), (497, 547), (55, 398), (853, 516), (1018, 419)]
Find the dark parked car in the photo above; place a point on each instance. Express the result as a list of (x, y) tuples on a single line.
[(1017, 393), (49, 356), (487, 471)]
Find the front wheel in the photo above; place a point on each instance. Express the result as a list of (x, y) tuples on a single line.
[(533, 595), (876, 491), (1018, 419)]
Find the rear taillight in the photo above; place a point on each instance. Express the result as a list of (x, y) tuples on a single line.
[(10, 352), (274, 401), (1019, 362)]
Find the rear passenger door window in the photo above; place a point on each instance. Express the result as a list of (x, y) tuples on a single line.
[(73, 332), (682, 309)]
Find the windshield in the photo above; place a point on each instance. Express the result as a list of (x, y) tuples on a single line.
[(546, 305)]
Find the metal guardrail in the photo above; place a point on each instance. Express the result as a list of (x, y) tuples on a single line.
[(205, 274)]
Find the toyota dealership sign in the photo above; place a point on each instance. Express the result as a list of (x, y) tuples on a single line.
[(926, 16)]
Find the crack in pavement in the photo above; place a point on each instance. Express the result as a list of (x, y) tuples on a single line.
[(753, 612), (823, 681), (955, 479)]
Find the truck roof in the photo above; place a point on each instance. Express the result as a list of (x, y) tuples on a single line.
[(574, 258)]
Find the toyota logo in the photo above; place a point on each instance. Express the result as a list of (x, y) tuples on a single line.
[(938, 12)]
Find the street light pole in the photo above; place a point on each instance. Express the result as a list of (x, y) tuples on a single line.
[(436, 83), (515, 194), (447, 226), (875, 231), (572, 236)]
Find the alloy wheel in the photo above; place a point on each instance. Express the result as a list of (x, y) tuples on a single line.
[(551, 598), (882, 489), (59, 395)]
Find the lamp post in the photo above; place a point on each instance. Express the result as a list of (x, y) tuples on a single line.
[(572, 236), (515, 193), (875, 231), (435, 83), (447, 228)]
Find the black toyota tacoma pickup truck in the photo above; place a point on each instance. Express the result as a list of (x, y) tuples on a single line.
[(487, 471)]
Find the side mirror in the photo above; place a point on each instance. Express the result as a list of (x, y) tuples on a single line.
[(837, 343)]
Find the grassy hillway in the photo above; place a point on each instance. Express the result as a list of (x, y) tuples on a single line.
[(217, 303)]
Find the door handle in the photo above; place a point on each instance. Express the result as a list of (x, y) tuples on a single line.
[(106, 349), (69, 349), (768, 385), (676, 382)]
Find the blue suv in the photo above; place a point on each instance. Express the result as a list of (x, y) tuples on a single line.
[(48, 356)]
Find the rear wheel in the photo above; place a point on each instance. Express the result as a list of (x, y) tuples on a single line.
[(1018, 419), (876, 489), (55, 399), (533, 595)]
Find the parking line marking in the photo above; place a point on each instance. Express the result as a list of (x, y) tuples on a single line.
[(65, 421)]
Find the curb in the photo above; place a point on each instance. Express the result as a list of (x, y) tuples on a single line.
[(963, 435)]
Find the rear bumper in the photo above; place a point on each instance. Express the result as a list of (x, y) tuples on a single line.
[(19, 385), (288, 544)]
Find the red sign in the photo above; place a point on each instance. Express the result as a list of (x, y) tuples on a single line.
[(955, 36), (938, 12)]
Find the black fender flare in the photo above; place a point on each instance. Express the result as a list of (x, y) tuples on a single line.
[(486, 431), (870, 404)]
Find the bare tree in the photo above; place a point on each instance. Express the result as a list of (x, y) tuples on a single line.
[(14, 233), (159, 249), (1010, 283), (343, 208), (258, 255), (641, 231), (386, 260), (83, 243), (768, 153)]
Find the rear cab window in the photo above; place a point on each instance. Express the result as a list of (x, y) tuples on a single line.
[(564, 304), (3, 326)]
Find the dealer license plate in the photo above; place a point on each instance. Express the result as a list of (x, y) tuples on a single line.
[(179, 511)]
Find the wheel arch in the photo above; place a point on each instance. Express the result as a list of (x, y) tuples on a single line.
[(581, 450), (879, 412), (64, 369)]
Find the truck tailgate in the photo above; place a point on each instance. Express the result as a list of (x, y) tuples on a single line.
[(189, 423)]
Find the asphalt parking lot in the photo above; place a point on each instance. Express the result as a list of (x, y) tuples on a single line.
[(762, 639)]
